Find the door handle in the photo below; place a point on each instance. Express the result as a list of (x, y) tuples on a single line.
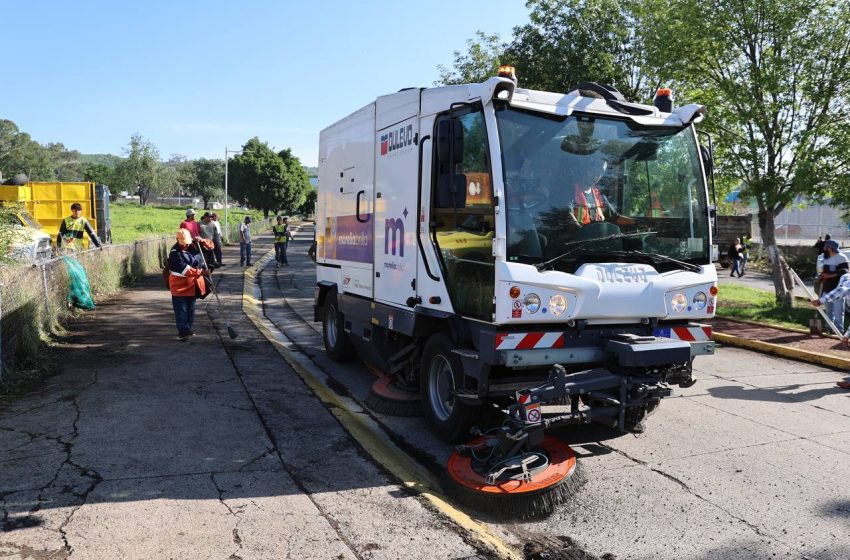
[(359, 219)]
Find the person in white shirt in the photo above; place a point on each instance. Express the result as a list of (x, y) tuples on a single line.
[(245, 242), (835, 266), (217, 240)]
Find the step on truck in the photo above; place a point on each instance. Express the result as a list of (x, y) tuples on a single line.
[(491, 244)]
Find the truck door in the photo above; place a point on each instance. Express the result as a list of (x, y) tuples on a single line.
[(352, 231), (462, 217), (396, 175)]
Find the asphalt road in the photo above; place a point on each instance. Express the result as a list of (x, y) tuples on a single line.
[(755, 279), (148, 448)]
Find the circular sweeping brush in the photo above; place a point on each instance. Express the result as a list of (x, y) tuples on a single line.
[(390, 396), (528, 485)]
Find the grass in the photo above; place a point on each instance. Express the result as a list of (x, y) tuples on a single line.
[(751, 304), (131, 222)]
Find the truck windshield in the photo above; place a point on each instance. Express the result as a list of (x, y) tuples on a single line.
[(582, 177)]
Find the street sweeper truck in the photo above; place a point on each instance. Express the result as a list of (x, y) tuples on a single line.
[(544, 254)]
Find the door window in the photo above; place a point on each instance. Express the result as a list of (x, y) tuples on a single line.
[(463, 223)]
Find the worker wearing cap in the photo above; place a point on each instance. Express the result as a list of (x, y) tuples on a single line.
[(190, 224), (185, 281), (839, 294), (282, 236), (71, 229), (835, 266)]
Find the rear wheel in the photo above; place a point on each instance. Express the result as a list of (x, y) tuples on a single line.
[(440, 373), (337, 343)]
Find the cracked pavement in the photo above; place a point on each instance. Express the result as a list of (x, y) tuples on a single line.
[(749, 463), (145, 447)]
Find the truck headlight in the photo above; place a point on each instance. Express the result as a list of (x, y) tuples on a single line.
[(557, 305), (532, 303), (699, 301), (678, 303)]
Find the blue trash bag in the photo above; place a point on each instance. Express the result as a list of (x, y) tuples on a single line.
[(79, 290)]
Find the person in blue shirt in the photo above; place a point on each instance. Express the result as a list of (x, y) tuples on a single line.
[(185, 281), (838, 295)]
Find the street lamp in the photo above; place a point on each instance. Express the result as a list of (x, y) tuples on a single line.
[(226, 223)]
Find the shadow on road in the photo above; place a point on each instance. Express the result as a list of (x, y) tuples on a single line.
[(780, 394)]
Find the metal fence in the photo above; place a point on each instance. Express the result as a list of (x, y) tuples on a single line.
[(34, 298), (803, 225)]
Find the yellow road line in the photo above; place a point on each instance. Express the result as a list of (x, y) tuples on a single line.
[(368, 434)]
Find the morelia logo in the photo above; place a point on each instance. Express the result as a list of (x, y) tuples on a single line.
[(396, 139)]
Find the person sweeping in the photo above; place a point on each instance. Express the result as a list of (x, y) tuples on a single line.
[(840, 294), (185, 281)]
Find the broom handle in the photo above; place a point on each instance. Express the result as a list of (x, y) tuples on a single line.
[(812, 296), (212, 284)]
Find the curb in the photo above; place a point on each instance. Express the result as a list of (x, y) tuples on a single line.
[(783, 351), (362, 427)]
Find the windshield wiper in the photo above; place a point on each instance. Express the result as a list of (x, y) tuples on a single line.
[(581, 243), (656, 257)]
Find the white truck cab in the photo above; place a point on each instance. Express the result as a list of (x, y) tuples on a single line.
[(29, 242), (471, 237)]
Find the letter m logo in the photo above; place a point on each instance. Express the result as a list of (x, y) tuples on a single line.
[(394, 229)]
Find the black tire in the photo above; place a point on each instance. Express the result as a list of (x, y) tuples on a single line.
[(450, 418), (337, 343)]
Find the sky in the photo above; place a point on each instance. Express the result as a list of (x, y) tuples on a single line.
[(196, 77)]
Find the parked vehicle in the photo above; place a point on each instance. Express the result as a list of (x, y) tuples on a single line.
[(29, 242), (50, 202)]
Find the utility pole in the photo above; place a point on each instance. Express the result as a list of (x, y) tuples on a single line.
[(226, 223)]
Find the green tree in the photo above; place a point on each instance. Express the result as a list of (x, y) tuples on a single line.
[(141, 172), (478, 62), (296, 182), (65, 164), (21, 154), (204, 178), (97, 173), (570, 41), (257, 176), (775, 75), (309, 205)]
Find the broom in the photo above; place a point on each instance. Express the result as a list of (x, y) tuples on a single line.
[(231, 332), (388, 396), (558, 480)]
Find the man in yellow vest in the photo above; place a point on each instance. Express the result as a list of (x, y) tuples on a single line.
[(71, 229), (281, 239)]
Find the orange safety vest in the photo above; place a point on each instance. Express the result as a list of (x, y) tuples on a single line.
[(655, 208), (184, 284), (583, 213)]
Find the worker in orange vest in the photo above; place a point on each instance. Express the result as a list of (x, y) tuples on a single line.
[(589, 204), (186, 282)]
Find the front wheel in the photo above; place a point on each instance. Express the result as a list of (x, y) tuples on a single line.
[(337, 343), (440, 373)]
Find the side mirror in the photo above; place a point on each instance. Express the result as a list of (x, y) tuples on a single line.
[(451, 191), (449, 141)]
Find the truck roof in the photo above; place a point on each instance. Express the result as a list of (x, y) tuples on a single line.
[(437, 99)]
